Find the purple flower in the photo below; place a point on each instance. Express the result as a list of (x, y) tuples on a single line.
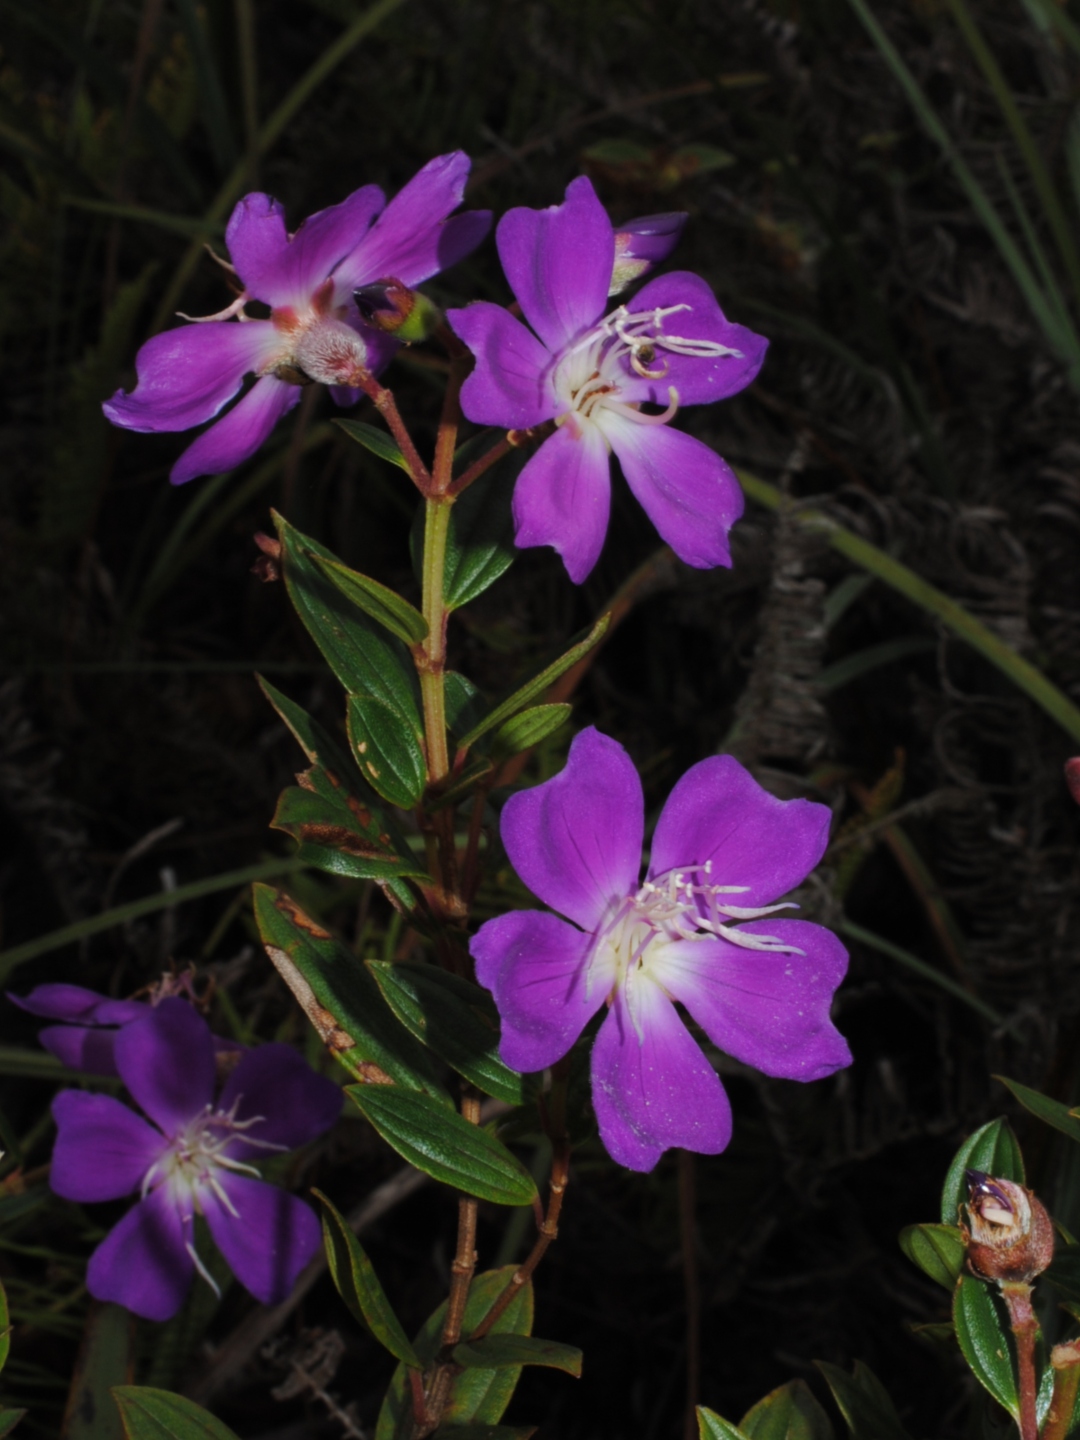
[(642, 244), (187, 376), (191, 1156), (724, 850), (591, 374)]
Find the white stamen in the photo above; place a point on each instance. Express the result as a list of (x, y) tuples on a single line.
[(203, 1271), (236, 308)]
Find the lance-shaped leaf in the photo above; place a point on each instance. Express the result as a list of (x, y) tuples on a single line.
[(382, 604), (985, 1336), (497, 1352), (464, 703), (366, 661), (936, 1249), (528, 728), (317, 744), (480, 542), (534, 688), (358, 1285), (864, 1403), (342, 1000), (993, 1150), (477, 1397), (106, 1358), (8, 1420), (375, 440), (149, 1414), (1064, 1273), (713, 1427), (453, 1017), (443, 1145), (788, 1413), (387, 750), (463, 785), (337, 833), (1052, 1112)]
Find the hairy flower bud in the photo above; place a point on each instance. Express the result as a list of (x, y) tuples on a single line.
[(642, 244), (396, 310), (1009, 1236)]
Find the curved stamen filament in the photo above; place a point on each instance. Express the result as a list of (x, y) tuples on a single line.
[(631, 412)]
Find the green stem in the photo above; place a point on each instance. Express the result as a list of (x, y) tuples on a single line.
[(432, 667), (1020, 671)]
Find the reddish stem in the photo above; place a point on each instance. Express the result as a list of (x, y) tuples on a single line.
[(384, 402), (1025, 1327)]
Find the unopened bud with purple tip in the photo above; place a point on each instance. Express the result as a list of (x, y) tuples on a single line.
[(1009, 1235), (398, 311), (642, 244)]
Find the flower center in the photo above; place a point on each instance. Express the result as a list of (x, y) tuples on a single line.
[(193, 1159), (591, 375)]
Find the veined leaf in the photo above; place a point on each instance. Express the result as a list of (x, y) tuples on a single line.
[(788, 1413), (358, 1285), (339, 834), (106, 1358), (985, 1336), (438, 1141), (713, 1427), (382, 604), (992, 1149), (537, 685), (497, 1352), (387, 750), (149, 1414), (936, 1249), (341, 999), (375, 440), (478, 1397), (1052, 1112), (480, 542), (864, 1403), (527, 728), (453, 1017), (8, 1420)]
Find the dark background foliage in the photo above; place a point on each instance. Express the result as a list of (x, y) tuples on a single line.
[(906, 382)]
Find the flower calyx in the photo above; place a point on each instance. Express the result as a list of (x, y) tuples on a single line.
[(1008, 1235)]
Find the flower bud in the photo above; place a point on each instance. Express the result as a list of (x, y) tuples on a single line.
[(396, 310), (642, 244), (1009, 1236)]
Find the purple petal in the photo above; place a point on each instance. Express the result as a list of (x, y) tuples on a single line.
[(767, 1009), (275, 1082), (563, 497), (144, 1263), (76, 1004), (510, 385), (82, 1048), (655, 1090), (576, 839), (536, 967), (688, 492), (345, 395), (410, 241), (719, 812), (257, 242), (698, 379), (559, 262), (103, 1149), (268, 1241), (186, 375), (650, 237), (321, 243), (239, 433), (166, 1060)]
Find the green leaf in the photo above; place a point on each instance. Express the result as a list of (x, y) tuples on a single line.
[(537, 685), (341, 999), (985, 1336), (1053, 1112), (366, 661), (992, 1149), (497, 1352), (788, 1413), (358, 1285), (864, 1403), (106, 1358), (149, 1414), (375, 440), (443, 1145), (8, 1420), (936, 1249), (464, 785), (380, 603), (453, 1017), (317, 744), (712, 1427), (464, 703), (528, 728), (480, 543), (339, 834), (387, 751), (478, 1396)]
